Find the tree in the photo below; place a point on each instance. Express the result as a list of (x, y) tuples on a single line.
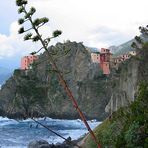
[(35, 25), (139, 42)]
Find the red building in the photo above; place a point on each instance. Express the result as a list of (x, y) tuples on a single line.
[(26, 61), (105, 57)]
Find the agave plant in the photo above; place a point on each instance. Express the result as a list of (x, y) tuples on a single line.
[(35, 25)]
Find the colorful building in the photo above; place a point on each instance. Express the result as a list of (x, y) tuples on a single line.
[(95, 56), (105, 57), (26, 61), (119, 59), (107, 61)]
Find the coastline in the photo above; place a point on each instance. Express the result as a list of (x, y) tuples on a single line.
[(22, 132)]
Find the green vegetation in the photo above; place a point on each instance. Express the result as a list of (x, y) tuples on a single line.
[(17, 72), (128, 126)]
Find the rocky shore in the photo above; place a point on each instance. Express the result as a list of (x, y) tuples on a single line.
[(65, 144)]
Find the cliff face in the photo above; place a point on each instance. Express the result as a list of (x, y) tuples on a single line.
[(126, 80), (38, 90), (127, 126), (124, 85), (84, 78)]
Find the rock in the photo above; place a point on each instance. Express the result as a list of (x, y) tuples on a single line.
[(84, 78), (126, 82), (68, 139), (124, 85), (45, 144), (39, 144)]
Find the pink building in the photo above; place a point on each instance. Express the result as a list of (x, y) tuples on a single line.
[(26, 61)]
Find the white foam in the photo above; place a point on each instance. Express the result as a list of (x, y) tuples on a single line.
[(73, 128), (7, 121)]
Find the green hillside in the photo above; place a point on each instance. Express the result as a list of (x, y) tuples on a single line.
[(128, 126)]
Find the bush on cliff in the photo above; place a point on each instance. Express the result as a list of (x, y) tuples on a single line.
[(128, 126)]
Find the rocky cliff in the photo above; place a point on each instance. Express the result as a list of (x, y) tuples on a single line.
[(38, 91), (127, 127), (125, 81)]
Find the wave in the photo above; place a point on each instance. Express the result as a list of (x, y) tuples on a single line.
[(20, 133), (6, 121)]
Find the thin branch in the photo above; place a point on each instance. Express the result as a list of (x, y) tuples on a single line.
[(68, 141), (64, 84), (39, 50), (28, 29), (40, 25), (35, 52)]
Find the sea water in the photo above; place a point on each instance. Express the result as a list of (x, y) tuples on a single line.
[(18, 134)]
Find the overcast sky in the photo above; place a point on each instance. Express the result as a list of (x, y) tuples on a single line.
[(96, 23)]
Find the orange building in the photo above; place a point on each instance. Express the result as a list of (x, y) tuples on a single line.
[(26, 61)]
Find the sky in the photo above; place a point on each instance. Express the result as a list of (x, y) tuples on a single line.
[(96, 23)]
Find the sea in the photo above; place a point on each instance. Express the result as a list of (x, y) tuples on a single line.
[(19, 133)]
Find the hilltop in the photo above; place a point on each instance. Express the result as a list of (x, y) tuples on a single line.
[(38, 90)]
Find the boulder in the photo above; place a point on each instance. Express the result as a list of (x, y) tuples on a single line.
[(39, 144)]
